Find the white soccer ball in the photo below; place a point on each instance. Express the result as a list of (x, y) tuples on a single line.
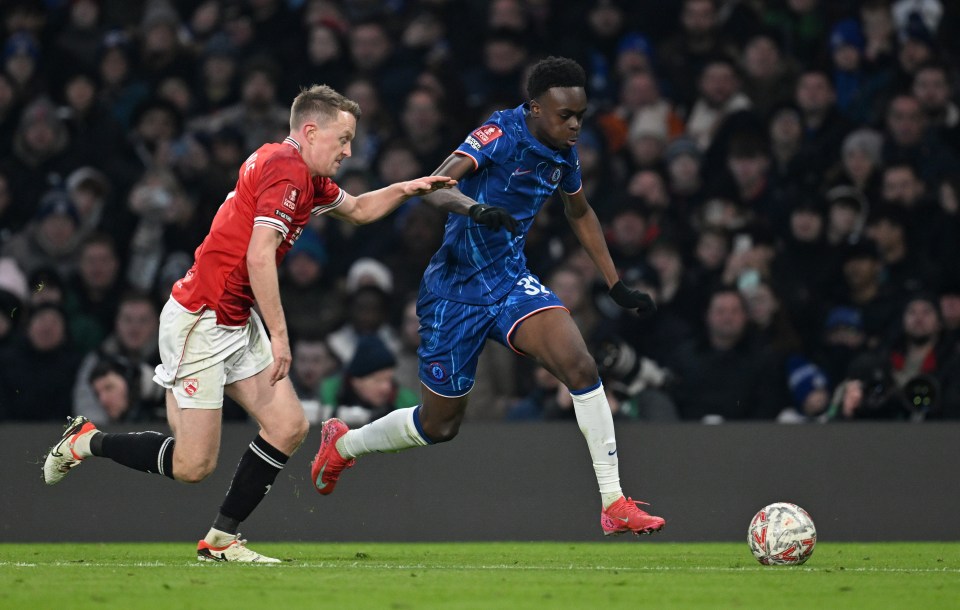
[(782, 534)]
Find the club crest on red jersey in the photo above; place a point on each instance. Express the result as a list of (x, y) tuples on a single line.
[(487, 134), (290, 197)]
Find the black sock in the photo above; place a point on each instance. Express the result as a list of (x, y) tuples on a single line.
[(144, 451), (258, 469)]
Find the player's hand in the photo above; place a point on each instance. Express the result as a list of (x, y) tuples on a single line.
[(493, 217), (427, 184), (629, 298), (282, 358)]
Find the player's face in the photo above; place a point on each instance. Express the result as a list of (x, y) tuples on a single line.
[(557, 116), (328, 144)]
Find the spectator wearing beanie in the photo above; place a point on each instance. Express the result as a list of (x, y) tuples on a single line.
[(40, 150), (312, 302), (369, 288), (861, 163), (367, 389), (857, 87), (51, 240), (808, 385), (20, 60), (843, 339)]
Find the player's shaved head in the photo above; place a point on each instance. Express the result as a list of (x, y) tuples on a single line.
[(320, 103)]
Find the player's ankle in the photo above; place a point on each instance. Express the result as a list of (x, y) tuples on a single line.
[(341, 448), (81, 446), (218, 539), (609, 497)]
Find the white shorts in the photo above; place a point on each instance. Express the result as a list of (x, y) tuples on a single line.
[(198, 357)]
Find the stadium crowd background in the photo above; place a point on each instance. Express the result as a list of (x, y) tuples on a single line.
[(783, 176)]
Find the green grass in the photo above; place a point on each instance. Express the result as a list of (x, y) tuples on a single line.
[(603, 575)]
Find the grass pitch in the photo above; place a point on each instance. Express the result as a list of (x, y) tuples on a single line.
[(603, 575)]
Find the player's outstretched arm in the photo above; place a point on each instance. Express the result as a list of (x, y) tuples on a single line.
[(586, 226), (374, 205), (453, 200)]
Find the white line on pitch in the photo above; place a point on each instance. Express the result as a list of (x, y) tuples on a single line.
[(511, 567)]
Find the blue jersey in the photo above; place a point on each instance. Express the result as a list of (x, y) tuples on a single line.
[(514, 171)]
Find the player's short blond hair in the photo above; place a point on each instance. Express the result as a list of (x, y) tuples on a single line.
[(320, 103)]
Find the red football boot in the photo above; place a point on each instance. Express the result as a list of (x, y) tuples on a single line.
[(328, 463), (624, 516)]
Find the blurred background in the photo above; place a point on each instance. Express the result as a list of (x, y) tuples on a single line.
[(782, 175)]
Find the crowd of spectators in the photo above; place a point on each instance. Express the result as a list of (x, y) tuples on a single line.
[(782, 175)]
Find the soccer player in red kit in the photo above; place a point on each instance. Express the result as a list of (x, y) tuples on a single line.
[(212, 343)]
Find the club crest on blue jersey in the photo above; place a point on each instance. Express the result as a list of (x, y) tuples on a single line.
[(555, 176), (437, 371)]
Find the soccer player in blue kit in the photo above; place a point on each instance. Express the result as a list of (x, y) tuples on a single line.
[(477, 286)]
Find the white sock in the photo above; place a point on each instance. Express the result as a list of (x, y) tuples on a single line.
[(81, 446), (596, 423), (395, 431), (218, 539)]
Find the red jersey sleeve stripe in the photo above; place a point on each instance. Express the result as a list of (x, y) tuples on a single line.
[(322, 209), (264, 221)]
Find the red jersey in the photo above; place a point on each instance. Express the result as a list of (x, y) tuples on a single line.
[(274, 190)]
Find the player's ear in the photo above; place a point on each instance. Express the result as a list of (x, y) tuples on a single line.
[(309, 131), (534, 107)]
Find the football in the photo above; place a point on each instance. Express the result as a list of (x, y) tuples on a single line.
[(782, 534)]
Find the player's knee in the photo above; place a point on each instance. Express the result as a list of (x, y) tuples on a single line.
[(441, 432), (294, 428), (440, 419), (193, 471), (287, 435), (190, 476), (299, 431), (580, 372)]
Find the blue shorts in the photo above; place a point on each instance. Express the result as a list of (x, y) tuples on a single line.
[(452, 334)]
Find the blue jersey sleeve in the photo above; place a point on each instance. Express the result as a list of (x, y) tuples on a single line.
[(572, 181), (487, 145)]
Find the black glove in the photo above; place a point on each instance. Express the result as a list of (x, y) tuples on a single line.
[(493, 217), (629, 298)]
